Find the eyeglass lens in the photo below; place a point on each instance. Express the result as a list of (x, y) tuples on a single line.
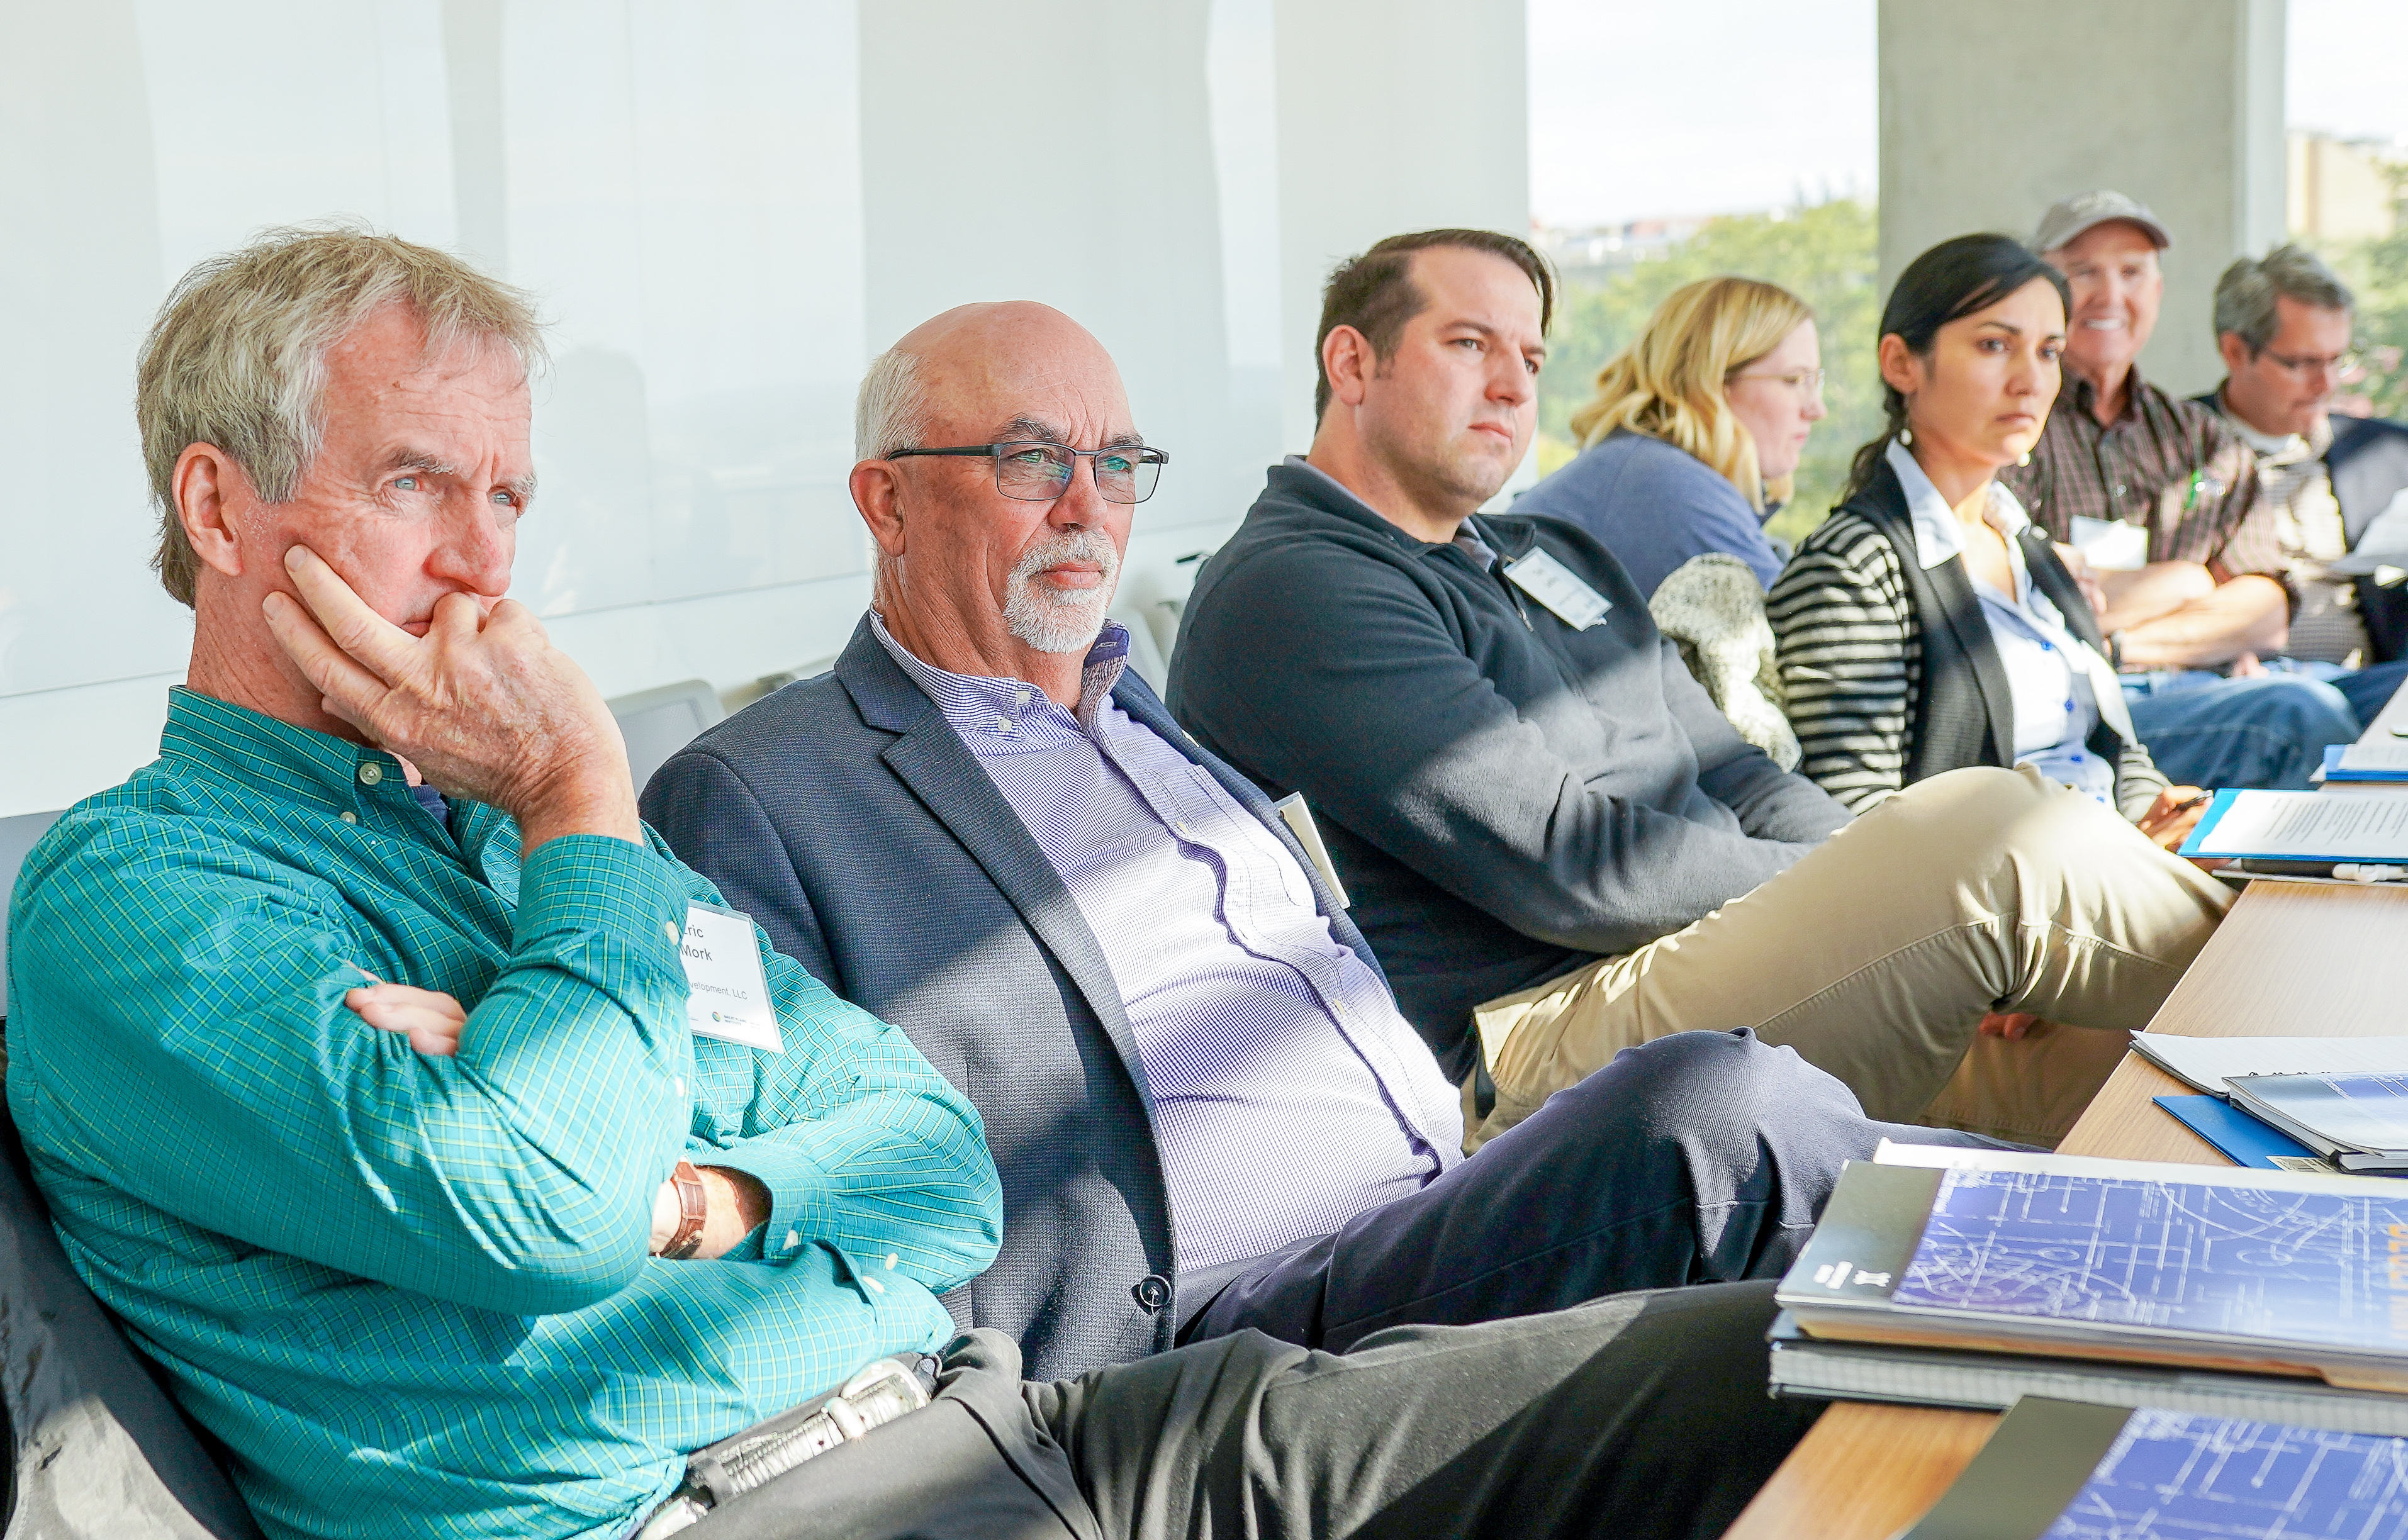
[(1807, 383), (1040, 473)]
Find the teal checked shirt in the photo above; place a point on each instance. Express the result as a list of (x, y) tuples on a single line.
[(411, 1293)]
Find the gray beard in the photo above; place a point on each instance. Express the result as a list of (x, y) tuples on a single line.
[(1060, 620)]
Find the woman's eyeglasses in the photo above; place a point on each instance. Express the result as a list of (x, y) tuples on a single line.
[(1029, 472), (1807, 383)]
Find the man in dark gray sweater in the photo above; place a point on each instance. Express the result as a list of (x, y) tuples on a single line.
[(1544, 824)]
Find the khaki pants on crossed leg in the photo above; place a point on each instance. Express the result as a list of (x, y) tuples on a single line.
[(1877, 956)]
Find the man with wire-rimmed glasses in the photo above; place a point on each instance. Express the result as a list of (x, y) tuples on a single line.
[(1214, 1126), (2285, 328)]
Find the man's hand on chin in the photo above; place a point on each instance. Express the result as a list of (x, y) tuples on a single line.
[(482, 704)]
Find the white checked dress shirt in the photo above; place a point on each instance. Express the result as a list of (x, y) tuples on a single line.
[(1288, 1095)]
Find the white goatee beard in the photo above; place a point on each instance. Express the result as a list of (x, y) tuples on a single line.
[(1054, 620)]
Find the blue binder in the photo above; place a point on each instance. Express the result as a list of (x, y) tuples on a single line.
[(2243, 1139)]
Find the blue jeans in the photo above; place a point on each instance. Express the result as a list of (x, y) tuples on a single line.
[(2269, 730), (2368, 690)]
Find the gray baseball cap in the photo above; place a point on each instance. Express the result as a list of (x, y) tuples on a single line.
[(2070, 217)]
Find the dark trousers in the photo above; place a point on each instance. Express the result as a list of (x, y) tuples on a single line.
[(1702, 1156), (1642, 1415)]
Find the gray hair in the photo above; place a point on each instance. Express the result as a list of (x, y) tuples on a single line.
[(237, 355), (892, 411), (2245, 294)]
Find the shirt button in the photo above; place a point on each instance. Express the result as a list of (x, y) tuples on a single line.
[(874, 1286), (371, 773), (349, 817), (1023, 697), (1152, 1292), (892, 1259), (669, 928), (793, 1239), (1002, 724)]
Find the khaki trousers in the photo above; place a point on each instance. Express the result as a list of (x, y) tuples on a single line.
[(1877, 956)]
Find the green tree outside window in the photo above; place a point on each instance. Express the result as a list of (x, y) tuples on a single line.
[(1825, 255)]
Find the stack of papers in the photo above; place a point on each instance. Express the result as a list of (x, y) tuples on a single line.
[(2367, 762), (2358, 1121), (2303, 827), (2273, 1101), (2270, 1276), (2211, 1063)]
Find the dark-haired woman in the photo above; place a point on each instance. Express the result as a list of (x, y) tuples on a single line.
[(1928, 625)]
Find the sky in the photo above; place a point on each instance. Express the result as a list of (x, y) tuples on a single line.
[(1770, 99), (1761, 98), (2345, 68)]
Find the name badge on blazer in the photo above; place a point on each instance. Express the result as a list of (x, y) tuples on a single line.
[(1298, 818), (1552, 583)]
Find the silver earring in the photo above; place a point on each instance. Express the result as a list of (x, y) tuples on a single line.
[(1906, 436), (2024, 459)]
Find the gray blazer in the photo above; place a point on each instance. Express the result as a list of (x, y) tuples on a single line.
[(845, 816)]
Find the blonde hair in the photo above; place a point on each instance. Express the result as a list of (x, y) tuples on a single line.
[(1668, 383), (238, 356)]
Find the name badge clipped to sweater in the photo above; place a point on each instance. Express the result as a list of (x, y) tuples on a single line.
[(1552, 583), (727, 995)]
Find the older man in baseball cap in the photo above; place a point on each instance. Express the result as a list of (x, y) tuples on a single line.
[(2161, 497)]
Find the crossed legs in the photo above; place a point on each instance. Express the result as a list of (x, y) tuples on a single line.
[(1877, 956)]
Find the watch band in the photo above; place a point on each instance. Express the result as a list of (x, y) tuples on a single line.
[(693, 1209)]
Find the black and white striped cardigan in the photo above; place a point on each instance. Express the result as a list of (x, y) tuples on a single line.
[(1890, 672)]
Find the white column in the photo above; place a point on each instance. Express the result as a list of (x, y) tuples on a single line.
[(1991, 113), (1395, 115)]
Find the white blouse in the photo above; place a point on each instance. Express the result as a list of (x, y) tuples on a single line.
[(2059, 684)]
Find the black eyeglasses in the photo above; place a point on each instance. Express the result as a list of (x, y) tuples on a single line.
[(1030, 472)]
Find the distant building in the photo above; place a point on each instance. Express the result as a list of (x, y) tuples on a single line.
[(1591, 254), (2338, 190)]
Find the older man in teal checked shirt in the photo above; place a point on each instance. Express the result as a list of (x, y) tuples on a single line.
[(351, 1048)]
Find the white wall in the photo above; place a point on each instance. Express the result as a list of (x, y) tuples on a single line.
[(727, 207), (1991, 113)]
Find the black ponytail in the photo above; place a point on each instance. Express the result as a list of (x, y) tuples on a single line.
[(1949, 282)]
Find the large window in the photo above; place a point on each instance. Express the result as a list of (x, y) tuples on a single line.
[(2347, 108), (1657, 158)]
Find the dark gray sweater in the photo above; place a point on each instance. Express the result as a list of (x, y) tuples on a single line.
[(1503, 796)]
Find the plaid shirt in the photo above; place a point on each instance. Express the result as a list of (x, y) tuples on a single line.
[(2294, 481), (411, 1293), (2172, 466)]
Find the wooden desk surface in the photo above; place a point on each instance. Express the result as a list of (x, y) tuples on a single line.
[(1867, 1471), (2394, 715)]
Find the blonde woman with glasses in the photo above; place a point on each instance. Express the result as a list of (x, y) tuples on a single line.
[(1695, 432)]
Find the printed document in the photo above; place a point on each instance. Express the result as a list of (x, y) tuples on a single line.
[(2304, 826)]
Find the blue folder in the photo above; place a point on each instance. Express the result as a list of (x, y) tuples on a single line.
[(2333, 772), (2243, 1138)]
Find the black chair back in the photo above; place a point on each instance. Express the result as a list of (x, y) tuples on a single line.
[(100, 1452)]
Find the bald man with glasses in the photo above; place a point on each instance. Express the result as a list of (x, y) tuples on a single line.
[(1208, 1112)]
